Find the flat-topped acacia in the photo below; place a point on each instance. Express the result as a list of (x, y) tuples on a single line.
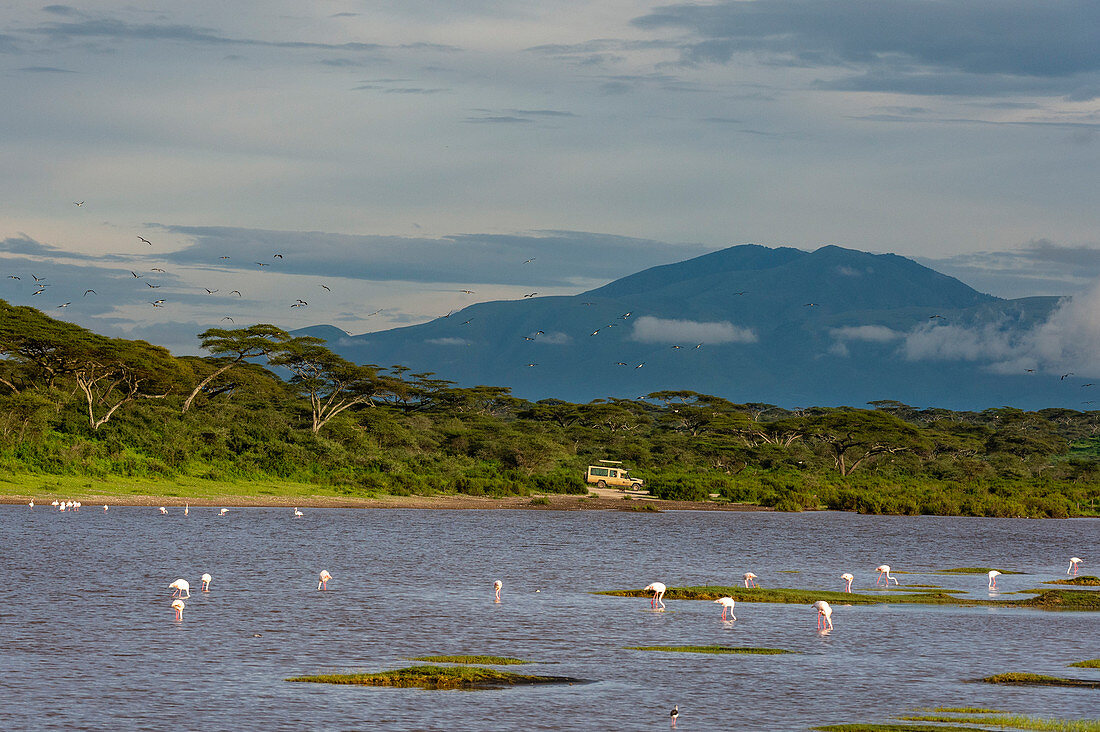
[(438, 677)]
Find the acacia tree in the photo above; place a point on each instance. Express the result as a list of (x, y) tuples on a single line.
[(239, 343), (39, 345), (854, 437), (113, 372), (332, 383)]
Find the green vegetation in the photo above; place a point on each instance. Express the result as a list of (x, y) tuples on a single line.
[(1013, 721), (896, 728), (1026, 679), (268, 411), (484, 660), (1091, 663), (1083, 580), (437, 677), (1081, 600), (974, 570), (965, 710), (711, 649)]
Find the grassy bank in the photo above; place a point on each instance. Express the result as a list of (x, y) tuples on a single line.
[(437, 677)]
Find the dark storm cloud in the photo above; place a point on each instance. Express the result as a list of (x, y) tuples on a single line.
[(912, 46), (481, 258)]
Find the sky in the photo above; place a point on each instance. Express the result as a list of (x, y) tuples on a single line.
[(387, 162)]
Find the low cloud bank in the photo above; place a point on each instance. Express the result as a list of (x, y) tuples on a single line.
[(648, 329)]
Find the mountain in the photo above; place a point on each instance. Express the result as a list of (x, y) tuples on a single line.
[(749, 323)]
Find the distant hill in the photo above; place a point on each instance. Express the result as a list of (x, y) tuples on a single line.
[(749, 323)]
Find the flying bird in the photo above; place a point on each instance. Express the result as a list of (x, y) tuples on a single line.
[(229, 319), (78, 203), (810, 305), (37, 278), (1084, 385), (39, 292), (743, 292), (467, 292), (620, 363), (156, 269), (532, 364), (676, 347), (375, 312), (236, 292), (640, 365), (532, 259), (277, 256), (262, 264), (87, 291), (223, 257), (1065, 375), (64, 305), (13, 277), (135, 274), (152, 285), (1030, 371), (933, 317), (531, 294), (595, 331), (466, 322), (626, 315), (209, 291), (145, 240), (326, 288)]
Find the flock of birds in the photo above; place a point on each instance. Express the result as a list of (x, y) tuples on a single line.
[(823, 609)]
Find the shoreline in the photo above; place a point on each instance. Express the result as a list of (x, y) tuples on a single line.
[(557, 502)]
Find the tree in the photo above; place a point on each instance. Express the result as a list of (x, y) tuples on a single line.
[(333, 384), (855, 436), (37, 342), (112, 372), (239, 343)]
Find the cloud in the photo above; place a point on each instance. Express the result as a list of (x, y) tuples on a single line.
[(917, 46), (1040, 267), (870, 333), (1067, 341), (45, 70), (555, 338), (648, 329), (448, 341)]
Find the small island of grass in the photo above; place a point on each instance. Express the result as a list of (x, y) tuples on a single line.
[(482, 660), (1011, 721), (1082, 581), (1091, 663), (712, 649), (1026, 679), (1079, 600), (438, 677), (974, 570)]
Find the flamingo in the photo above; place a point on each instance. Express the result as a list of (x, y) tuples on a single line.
[(76, 505), (324, 577), (1073, 562), (884, 571), (297, 512), (186, 508), (847, 577), (750, 579), (727, 604), (104, 506), (163, 509), (223, 511), (31, 504), (181, 588), (658, 589), (54, 502), (206, 582), (497, 586), (824, 614), (178, 606), (993, 579)]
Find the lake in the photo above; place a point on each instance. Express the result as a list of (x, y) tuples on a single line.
[(91, 643)]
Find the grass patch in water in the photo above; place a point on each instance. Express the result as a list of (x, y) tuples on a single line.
[(484, 660), (895, 728), (974, 570), (437, 677), (1091, 663), (1083, 600), (712, 649), (1026, 679), (1084, 580), (965, 710), (1014, 721)]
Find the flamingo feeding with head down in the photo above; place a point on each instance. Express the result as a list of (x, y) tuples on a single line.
[(658, 589), (163, 510), (727, 604), (750, 579), (205, 587), (497, 586), (180, 588), (824, 615), (847, 577), (1073, 562), (324, 578), (993, 574), (178, 606), (223, 511), (884, 571)]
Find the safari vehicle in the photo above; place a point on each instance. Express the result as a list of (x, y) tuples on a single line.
[(612, 473)]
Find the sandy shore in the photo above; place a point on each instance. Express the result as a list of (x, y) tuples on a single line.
[(556, 502)]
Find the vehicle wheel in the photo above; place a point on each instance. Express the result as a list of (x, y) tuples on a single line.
[(601, 483), (636, 486)]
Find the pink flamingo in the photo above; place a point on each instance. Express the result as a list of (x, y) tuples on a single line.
[(884, 571), (206, 582), (750, 579), (178, 606), (1073, 562), (824, 614), (325, 577), (847, 577), (497, 586), (180, 587), (658, 589), (727, 604), (31, 504), (993, 574)]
